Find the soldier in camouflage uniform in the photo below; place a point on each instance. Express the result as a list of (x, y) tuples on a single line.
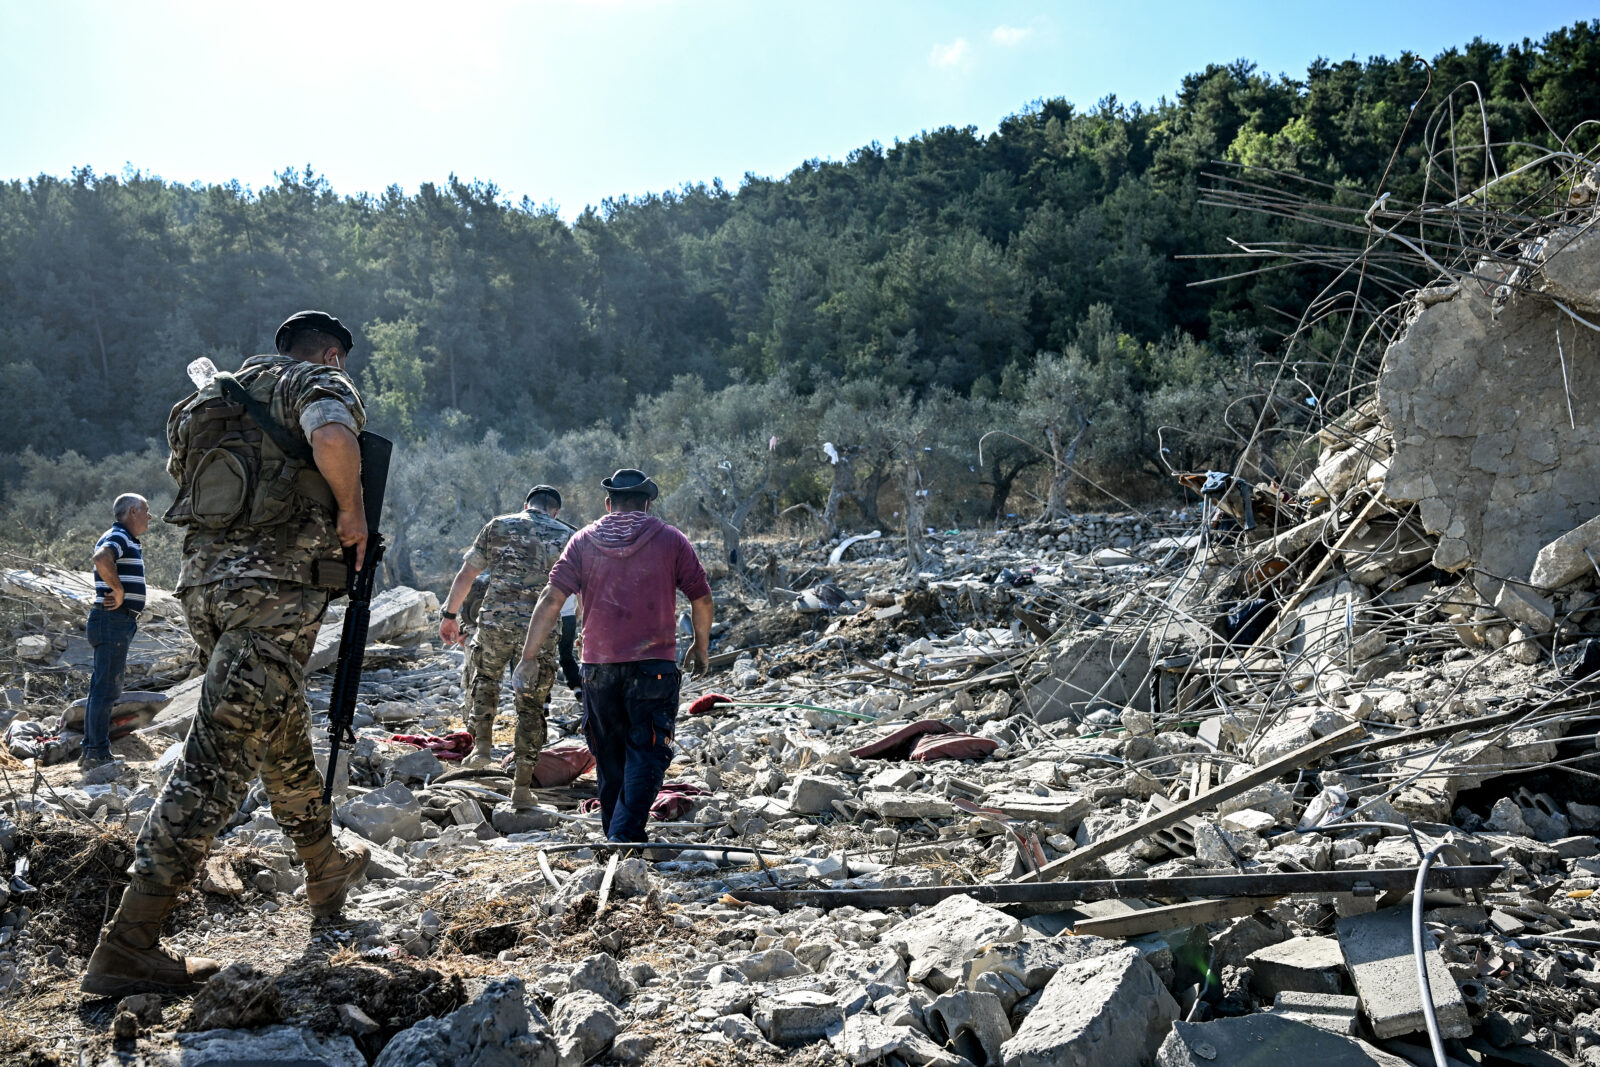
[(268, 471), (517, 551)]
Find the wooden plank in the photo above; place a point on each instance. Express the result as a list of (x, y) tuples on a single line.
[(1267, 772), (1276, 884), (1170, 917), (605, 885)]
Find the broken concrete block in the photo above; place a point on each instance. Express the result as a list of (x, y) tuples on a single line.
[(584, 1024), (496, 1028), (36, 648), (1263, 1038), (416, 766), (132, 702), (1567, 558), (1108, 1011), (1377, 951), (508, 820), (814, 795), (907, 805), (864, 1038), (797, 1017), (600, 974), (969, 1017), (276, 1044), (1299, 965), (937, 943), (1526, 608), (390, 812), (1326, 1011), (1062, 809)]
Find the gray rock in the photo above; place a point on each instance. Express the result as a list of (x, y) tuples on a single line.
[(509, 820), (585, 1023), (281, 1046), (416, 766), (938, 943), (632, 1048), (770, 964), (1299, 965), (1263, 1038), (599, 974), (1033, 963), (1326, 1011), (390, 812), (1377, 950), (725, 998), (968, 1018), (866, 1039), (814, 795), (498, 1029), (797, 1017), (1107, 1011)]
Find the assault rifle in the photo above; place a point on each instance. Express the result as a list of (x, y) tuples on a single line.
[(358, 613)]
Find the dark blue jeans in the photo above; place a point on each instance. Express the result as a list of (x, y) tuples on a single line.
[(630, 711), (110, 633)]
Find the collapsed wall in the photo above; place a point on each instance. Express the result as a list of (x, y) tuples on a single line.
[(1492, 406)]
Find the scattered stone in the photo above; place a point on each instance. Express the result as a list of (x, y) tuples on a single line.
[(1255, 1038), (283, 1046), (1377, 950), (585, 1024), (1299, 965), (937, 944), (1107, 1011), (797, 1017), (497, 1029), (383, 814)]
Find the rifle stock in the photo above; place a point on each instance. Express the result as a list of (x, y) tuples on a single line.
[(375, 453)]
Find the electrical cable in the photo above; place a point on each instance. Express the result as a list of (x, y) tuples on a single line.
[(1435, 1040)]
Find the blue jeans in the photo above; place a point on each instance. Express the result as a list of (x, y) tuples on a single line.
[(110, 633), (630, 711)]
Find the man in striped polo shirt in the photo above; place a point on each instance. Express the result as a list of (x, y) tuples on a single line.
[(113, 620)]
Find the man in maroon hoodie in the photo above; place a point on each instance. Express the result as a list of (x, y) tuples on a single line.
[(628, 569)]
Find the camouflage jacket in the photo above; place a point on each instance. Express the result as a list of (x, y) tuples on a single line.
[(288, 551), (517, 551)]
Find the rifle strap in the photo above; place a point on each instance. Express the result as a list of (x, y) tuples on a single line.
[(286, 441)]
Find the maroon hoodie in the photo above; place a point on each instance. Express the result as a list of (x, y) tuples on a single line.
[(628, 567)]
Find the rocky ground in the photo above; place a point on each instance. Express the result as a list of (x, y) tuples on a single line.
[(1088, 677)]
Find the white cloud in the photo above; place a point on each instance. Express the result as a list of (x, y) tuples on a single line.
[(1009, 36), (949, 55)]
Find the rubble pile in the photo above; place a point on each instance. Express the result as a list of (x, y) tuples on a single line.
[(1124, 790)]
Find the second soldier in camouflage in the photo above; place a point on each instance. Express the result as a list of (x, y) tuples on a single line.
[(517, 552)]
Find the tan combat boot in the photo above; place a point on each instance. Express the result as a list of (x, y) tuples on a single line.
[(482, 746), (127, 960), (329, 872), (522, 791)]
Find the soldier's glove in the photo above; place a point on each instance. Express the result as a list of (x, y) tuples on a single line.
[(526, 676)]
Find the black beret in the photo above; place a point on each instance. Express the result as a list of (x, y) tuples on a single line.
[(542, 488), (313, 320)]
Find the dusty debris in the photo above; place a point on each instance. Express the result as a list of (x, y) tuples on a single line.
[(1237, 729)]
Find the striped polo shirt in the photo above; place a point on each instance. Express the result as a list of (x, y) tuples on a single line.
[(130, 568)]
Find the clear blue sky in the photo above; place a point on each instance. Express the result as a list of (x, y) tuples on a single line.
[(573, 102)]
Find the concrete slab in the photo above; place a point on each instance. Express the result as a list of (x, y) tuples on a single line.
[(1377, 951), (1262, 1039), (1326, 1011), (1299, 965)]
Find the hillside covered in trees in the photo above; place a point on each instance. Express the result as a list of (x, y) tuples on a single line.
[(902, 302)]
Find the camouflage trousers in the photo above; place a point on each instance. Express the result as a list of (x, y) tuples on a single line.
[(254, 635), (492, 650)]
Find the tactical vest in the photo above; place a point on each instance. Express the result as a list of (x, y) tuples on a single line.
[(237, 464)]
